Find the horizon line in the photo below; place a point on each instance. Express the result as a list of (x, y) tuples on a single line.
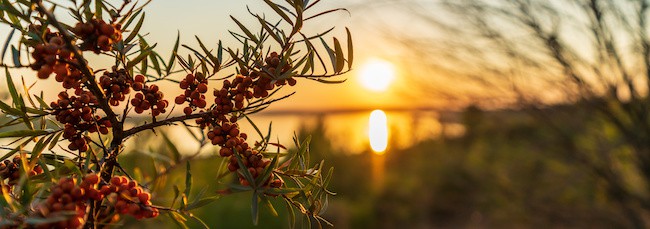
[(274, 112)]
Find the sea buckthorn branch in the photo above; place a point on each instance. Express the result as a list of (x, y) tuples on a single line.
[(91, 84), (83, 63), (260, 75)]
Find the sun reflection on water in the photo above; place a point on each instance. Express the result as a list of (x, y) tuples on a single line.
[(378, 131)]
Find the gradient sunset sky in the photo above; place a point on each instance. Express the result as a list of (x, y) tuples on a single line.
[(369, 21)]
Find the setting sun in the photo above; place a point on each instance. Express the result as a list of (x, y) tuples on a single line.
[(377, 75)]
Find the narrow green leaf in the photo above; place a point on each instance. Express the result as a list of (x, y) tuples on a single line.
[(15, 150), (283, 191), (183, 201), (238, 187), (144, 65), (131, 16), (6, 45), (202, 202), (23, 133), (207, 52), (200, 221), (269, 30), (135, 30), (278, 11), (178, 219), (292, 214), (267, 172), (12, 87), (98, 9), (138, 59), (40, 146), (255, 209), (46, 171), (244, 170), (245, 30), (172, 148), (170, 63), (12, 11), (309, 64), (220, 52), (236, 58), (156, 65), (269, 205), (330, 52), (299, 20), (188, 180), (71, 166), (55, 140), (340, 60), (176, 193), (350, 48), (42, 102), (326, 12), (328, 81), (254, 126), (8, 109)]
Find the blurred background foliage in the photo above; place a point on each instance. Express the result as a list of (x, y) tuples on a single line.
[(507, 171)]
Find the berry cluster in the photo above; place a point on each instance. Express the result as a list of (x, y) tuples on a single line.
[(53, 57), (234, 96), (131, 199), (148, 97), (268, 76), (228, 135), (195, 88), (249, 85), (116, 84), (231, 140), (10, 169), (66, 196), (76, 113), (97, 35), (125, 195)]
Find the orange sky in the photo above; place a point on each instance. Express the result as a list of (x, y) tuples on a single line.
[(209, 20)]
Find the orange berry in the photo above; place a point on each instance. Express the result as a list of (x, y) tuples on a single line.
[(78, 193), (139, 78), (44, 72), (180, 99), (106, 29), (102, 41), (116, 181), (187, 111), (92, 178), (202, 88), (144, 197)]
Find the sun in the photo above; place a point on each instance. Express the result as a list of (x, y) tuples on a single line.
[(377, 75)]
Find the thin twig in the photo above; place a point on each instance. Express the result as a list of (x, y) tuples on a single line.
[(173, 120)]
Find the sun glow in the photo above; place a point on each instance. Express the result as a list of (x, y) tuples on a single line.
[(378, 131), (377, 75)]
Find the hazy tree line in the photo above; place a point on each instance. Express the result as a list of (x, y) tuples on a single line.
[(534, 54)]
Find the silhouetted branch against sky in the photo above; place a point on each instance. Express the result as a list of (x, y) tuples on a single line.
[(524, 50)]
